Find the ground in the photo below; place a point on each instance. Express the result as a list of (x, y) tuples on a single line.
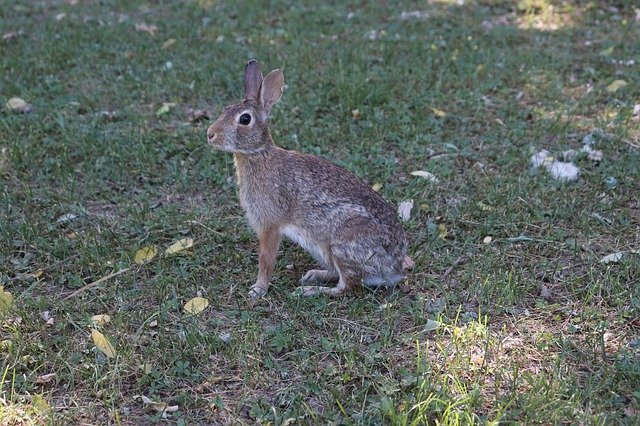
[(509, 313)]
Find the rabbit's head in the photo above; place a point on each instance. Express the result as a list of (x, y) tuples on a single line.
[(242, 128)]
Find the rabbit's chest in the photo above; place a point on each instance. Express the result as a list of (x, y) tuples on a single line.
[(261, 207)]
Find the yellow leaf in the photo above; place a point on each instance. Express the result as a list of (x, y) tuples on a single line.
[(145, 254), (6, 300), (38, 273), (438, 112), (196, 305), (39, 403), (179, 246), (616, 85), (442, 231), (18, 105), (167, 44), (101, 319), (102, 343), (485, 207), (377, 187)]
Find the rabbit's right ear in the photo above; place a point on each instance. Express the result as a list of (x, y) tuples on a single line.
[(252, 80)]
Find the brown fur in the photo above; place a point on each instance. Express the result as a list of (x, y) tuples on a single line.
[(350, 229)]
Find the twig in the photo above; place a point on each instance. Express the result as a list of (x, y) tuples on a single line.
[(96, 283), (628, 142), (453, 266)]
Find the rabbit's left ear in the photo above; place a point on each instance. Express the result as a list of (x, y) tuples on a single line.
[(271, 90)]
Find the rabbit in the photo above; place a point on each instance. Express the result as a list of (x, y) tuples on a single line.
[(350, 230)]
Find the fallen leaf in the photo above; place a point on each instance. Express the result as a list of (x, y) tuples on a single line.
[(60, 16), (431, 325), (427, 175), (101, 319), (442, 231), (545, 293), (414, 14), (485, 207), (196, 115), (606, 52), (6, 300), (377, 187), (612, 258), (19, 106), (66, 218), (46, 316), (179, 246), (196, 305), (145, 254), (438, 112), (165, 108), (102, 343), (45, 378), (616, 85), (40, 404), (11, 35), (487, 240), (564, 171), (153, 324), (146, 28), (404, 210), (161, 407), (167, 44), (356, 114), (407, 263)]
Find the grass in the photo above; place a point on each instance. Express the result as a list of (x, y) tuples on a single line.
[(528, 328)]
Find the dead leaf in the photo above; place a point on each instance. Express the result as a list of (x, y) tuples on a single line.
[(45, 378), (612, 258), (101, 319), (427, 175), (377, 186), (6, 300), (196, 305), (145, 254), (545, 293), (46, 316), (404, 210), (179, 246), (146, 28), (196, 115), (11, 35), (161, 407), (616, 85), (103, 344), (19, 106), (356, 114), (438, 112), (167, 44), (485, 207), (165, 108)]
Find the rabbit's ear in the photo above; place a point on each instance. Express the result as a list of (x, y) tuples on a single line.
[(271, 90), (252, 80)]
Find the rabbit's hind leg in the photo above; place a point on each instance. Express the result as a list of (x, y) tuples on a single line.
[(320, 276), (345, 283)]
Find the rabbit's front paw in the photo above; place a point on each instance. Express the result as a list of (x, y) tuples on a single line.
[(256, 292)]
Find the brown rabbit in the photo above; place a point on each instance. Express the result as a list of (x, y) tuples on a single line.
[(346, 226)]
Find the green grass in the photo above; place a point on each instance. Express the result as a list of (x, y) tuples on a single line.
[(531, 330)]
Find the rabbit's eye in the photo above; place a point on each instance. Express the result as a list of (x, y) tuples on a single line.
[(244, 119)]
